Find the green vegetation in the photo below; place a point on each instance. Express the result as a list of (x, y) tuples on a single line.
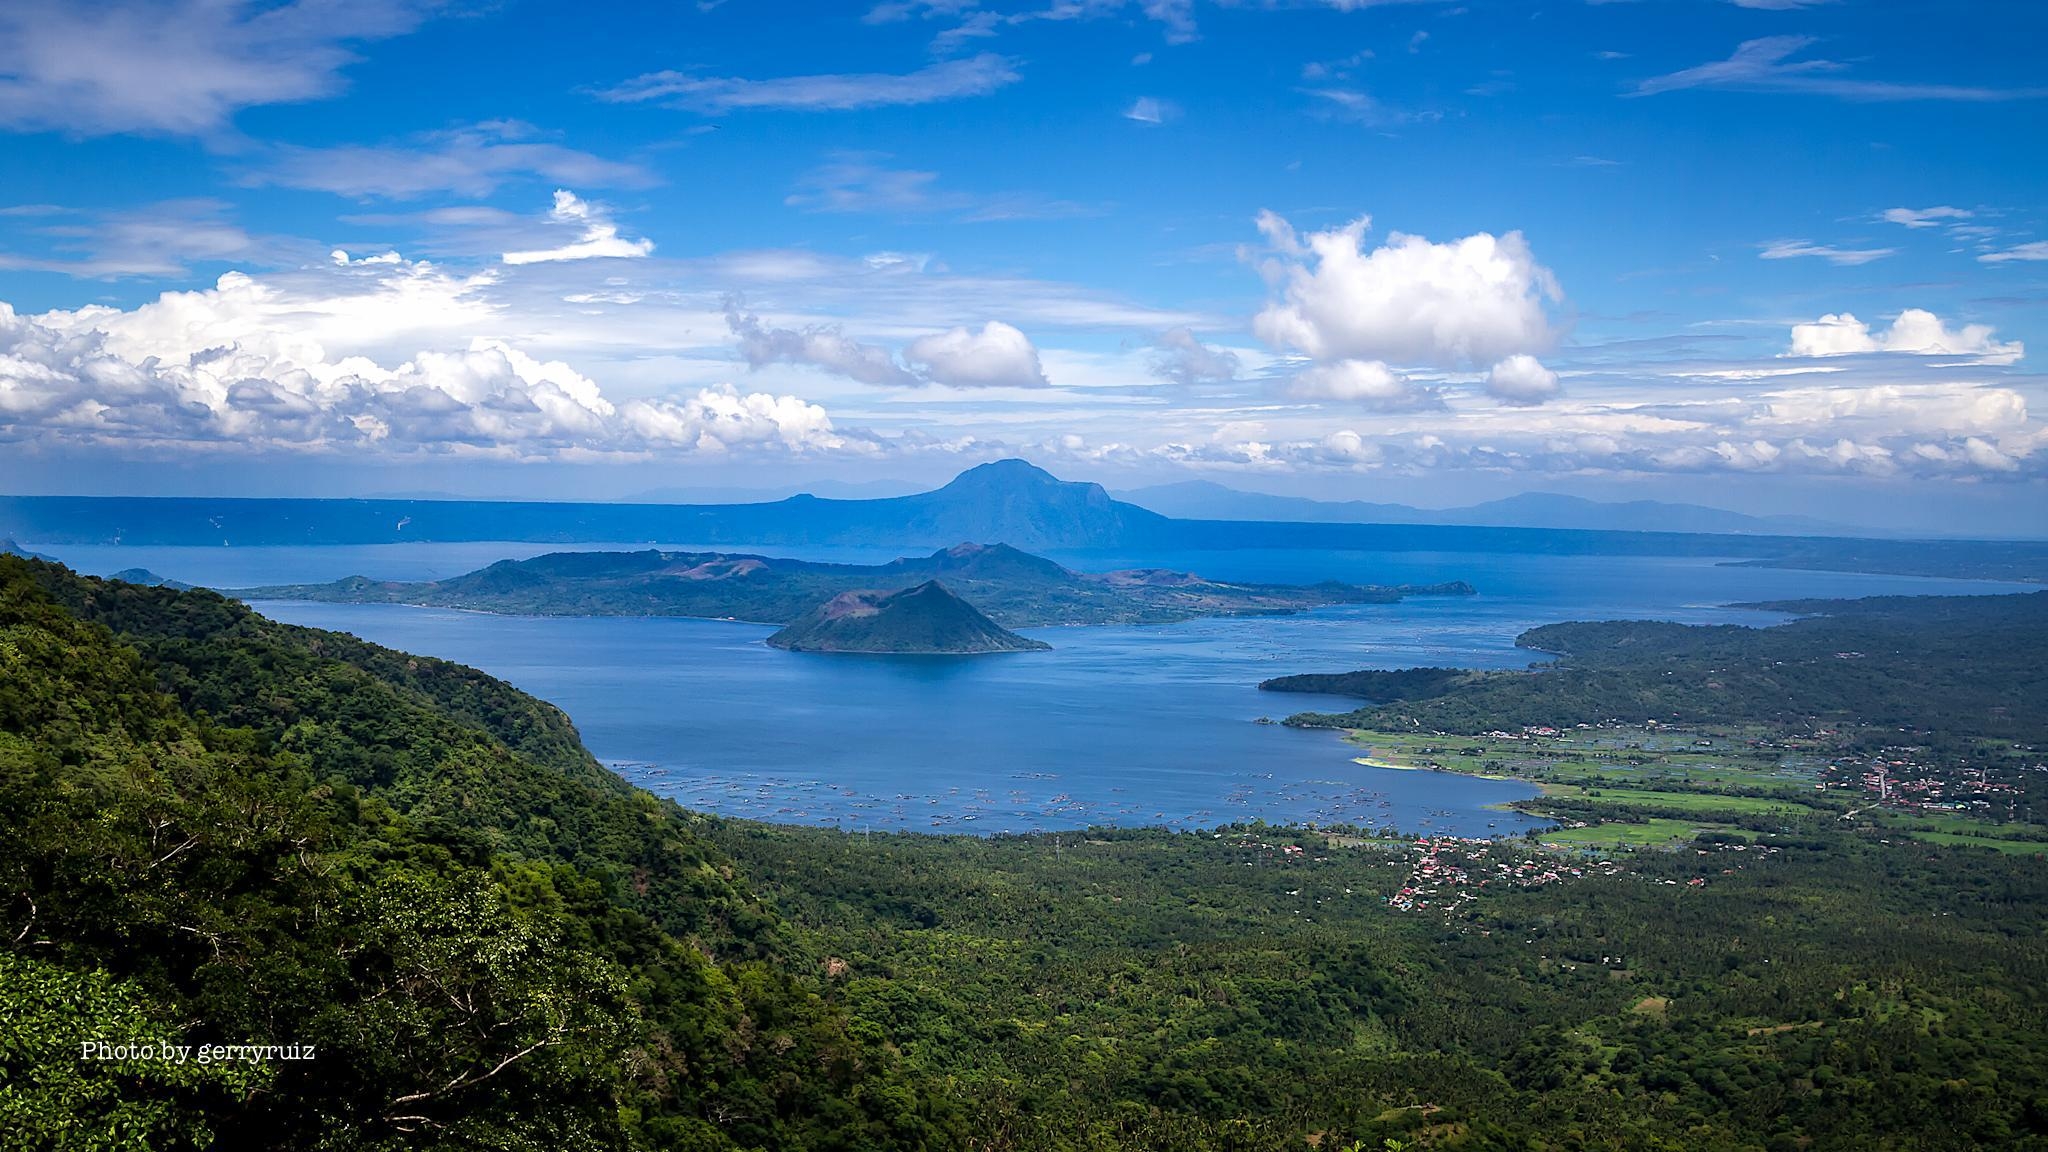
[(222, 830), (1652, 832), (1190, 991), (1015, 589), (1964, 665), (1923, 715), (226, 830), (925, 620)]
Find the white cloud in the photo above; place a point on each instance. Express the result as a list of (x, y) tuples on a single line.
[(721, 419), (1151, 110), (1890, 410), (213, 370), (1178, 17), (1924, 217), (2037, 250), (998, 356), (1369, 383), (1766, 65), (1847, 257), (1466, 302), (469, 161), (821, 345), (861, 182), (1182, 358), (1914, 330), (947, 80), (159, 240), (176, 67), (1361, 107), (1988, 457), (597, 238), (1521, 379), (342, 259)]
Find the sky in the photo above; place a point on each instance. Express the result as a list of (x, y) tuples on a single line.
[(1773, 255)]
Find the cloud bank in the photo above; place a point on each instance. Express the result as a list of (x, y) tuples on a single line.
[(212, 370)]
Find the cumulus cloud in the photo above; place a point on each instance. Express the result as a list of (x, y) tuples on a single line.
[(947, 80), (215, 370), (1182, 358), (1521, 379), (998, 356), (597, 237), (1470, 301), (1915, 331), (1369, 383), (1846, 257), (821, 346)]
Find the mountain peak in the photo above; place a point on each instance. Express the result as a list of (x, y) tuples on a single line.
[(987, 561), (1010, 473)]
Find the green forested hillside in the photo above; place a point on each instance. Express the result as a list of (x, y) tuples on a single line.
[(222, 829)]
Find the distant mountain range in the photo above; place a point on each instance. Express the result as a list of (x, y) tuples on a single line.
[(1008, 501), (925, 620), (1016, 588), (1204, 500)]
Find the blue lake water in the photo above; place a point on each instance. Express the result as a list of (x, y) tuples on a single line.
[(1150, 725)]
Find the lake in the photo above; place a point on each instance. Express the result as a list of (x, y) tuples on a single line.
[(1148, 725)]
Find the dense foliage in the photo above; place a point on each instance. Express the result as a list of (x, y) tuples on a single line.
[(225, 830), (1190, 991)]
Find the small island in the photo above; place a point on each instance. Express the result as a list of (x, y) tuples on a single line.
[(924, 620)]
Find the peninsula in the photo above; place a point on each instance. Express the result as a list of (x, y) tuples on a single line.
[(1015, 588)]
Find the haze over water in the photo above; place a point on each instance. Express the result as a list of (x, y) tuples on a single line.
[(1147, 725)]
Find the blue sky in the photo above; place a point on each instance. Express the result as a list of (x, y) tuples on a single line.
[(1771, 254)]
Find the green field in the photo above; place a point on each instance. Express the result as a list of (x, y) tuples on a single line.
[(1690, 801), (1648, 834), (1595, 756), (1602, 774), (1968, 840)]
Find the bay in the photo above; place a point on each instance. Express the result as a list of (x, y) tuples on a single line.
[(1151, 725)]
